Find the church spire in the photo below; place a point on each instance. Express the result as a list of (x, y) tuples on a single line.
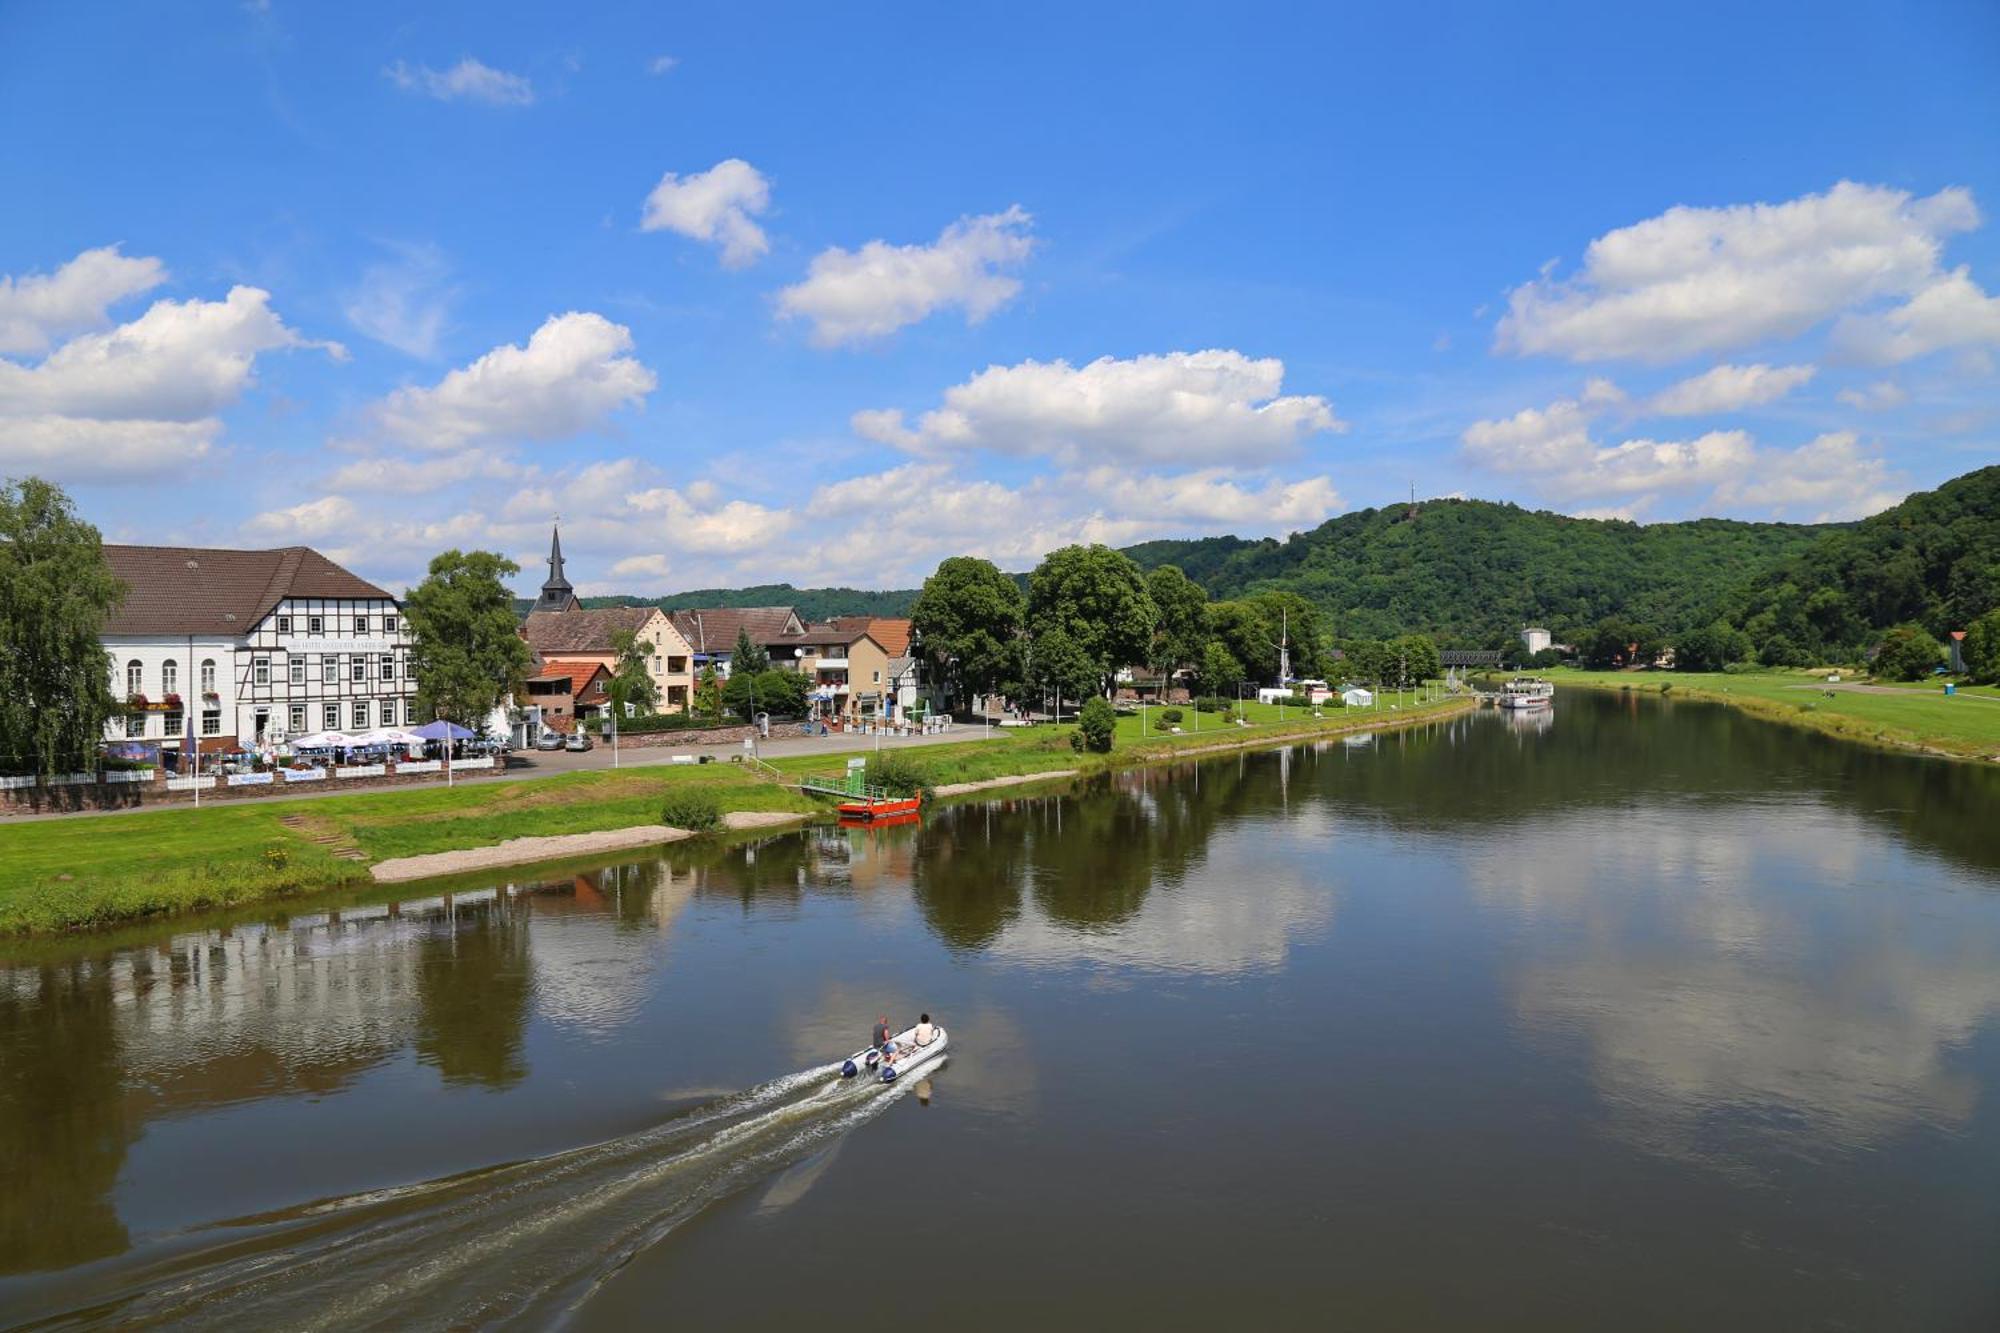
[(557, 595)]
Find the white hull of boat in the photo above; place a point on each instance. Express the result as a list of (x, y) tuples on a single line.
[(910, 1057)]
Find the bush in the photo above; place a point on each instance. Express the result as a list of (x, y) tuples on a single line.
[(1209, 703), (1094, 727), (1173, 715), (777, 692), (899, 775), (277, 856), (692, 808), (1908, 653)]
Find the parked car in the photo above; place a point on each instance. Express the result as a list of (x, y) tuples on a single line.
[(578, 743), (549, 740)]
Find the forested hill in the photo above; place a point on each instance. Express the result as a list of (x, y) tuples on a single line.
[(811, 603), (1933, 560), (1472, 571)]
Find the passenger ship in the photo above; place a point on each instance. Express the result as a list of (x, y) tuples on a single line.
[(1527, 692)]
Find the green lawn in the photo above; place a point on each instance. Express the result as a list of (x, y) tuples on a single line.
[(1918, 717)]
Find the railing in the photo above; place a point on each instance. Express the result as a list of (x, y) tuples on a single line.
[(853, 785)]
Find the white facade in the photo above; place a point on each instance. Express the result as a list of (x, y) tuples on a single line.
[(1535, 640), (311, 664)]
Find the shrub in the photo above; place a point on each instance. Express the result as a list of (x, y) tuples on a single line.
[(692, 808), (1208, 703), (1908, 653), (1094, 727), (899, 775), (277, 856), (1173, 715)]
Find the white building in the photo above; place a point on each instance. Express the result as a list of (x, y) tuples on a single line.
[(259, 645), (1535, 640)]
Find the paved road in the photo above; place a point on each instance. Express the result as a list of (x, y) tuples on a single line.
[(1903, 692), (529, 764)]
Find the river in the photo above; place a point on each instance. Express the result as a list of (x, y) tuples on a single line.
[(1638, 1014)]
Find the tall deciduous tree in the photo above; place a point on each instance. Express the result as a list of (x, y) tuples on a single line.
[(631, 683), (970, 615), (1982, 649), (1182, 632), (1060, 665), (1220, 671), (1908, 652), (465, 649), (1097, 597), (56, 592)]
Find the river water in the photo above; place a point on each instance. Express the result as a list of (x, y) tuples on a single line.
[(1634, 1015)]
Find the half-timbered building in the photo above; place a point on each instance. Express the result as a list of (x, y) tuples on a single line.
[(262, 645)]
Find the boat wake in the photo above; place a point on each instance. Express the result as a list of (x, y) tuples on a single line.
[(525, 1241)]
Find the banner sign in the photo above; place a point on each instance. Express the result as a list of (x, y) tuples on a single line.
[(304, 775), (249, 779)]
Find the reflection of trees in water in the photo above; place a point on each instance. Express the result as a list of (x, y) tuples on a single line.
[(473, 984), (1091, 856), (1608, 749), (63, 1122)]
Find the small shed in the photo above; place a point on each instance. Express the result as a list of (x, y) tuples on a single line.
[(1356, 697)]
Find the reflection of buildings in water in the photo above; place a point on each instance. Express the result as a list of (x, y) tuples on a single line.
[(1735, 971), (93, 1050)]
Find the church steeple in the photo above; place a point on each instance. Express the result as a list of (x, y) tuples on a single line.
[(557, 595)]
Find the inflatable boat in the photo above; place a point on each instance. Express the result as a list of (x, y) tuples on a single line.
[(909, 1056)]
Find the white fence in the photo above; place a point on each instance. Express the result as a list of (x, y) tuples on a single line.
[(461, 764), (362, 771), (129, 775), (188, 784), (419, 766)]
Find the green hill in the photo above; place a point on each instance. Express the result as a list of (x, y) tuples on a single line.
[(811, 603), (1475, 572), (1932, 560)]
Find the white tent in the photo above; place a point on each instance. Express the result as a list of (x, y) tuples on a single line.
[(322, 740), (1356, 697)]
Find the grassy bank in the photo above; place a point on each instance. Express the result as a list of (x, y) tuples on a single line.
[(1917, 717), (70, 873)]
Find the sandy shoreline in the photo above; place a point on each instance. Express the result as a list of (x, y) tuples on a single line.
[(1014, 780), (522, 851)]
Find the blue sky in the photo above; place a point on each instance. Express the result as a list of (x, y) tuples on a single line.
[(825, 294)]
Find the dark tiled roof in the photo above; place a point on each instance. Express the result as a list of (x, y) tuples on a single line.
[(714, 629), (552, 633), (204, 590)]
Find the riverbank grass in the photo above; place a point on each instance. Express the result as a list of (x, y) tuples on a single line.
[(71, 873), (1918, 717)]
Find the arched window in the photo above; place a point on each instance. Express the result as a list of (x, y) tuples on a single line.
[(208, 675), (170, 676), (135, 678)]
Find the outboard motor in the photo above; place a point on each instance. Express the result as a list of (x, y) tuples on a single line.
[(847, 1069), (888, 1073)]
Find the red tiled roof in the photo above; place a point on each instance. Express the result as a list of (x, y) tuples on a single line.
[(582, 676), (209, 590)]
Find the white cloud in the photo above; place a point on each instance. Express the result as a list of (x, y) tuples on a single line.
[(572, 375), (659, 65), (1555, 448), (328, 515), (1826, 480), (81, 449), (469, 80), (1703, 280), (396, 474), (714, 205), (1180, 407), (1729, 388), (1877, 397), (179, 361), (38, 309), (1950, 312), (138, 401), (852, 295), (403, 302), (1212, 497)]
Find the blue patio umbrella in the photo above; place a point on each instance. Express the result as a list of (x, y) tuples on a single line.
[(442, 730)]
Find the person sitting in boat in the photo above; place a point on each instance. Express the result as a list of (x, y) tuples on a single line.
[(924, 1033), (880, 1040)]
